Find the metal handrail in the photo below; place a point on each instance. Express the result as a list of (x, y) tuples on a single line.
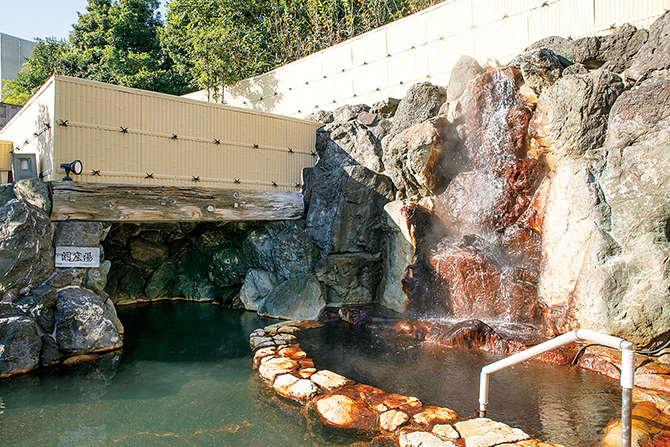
[(627, 370)]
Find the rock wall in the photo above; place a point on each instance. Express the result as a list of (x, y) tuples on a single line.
[(531, 193), (48, 313)]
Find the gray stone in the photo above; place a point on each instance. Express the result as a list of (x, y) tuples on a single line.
[(654, 54), (193, 278), (211, 240), (321, 116), (367, 118), (228, 267), (571, 116), (385, 109), (35, 192), (423, 159), (294, 253), (349, 112), (83, 323), (299, 298), (575, 69), (539, 67), (163, 281), (43, 314), (629, 286), (148, 252), (65, 277), (617, 51), (422, 101), (96, 278), (79, 234), (345, 210), (6, 194), (19, 339), (586, 51), (49, 354), (350, 278), (111, 309), (257, 284), (465, 70), (125, 283), (562, 47), (399, 253), (349, 143), (257, 249), (27, 257)]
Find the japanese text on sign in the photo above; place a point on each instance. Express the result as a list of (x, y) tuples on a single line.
[(77, 256)]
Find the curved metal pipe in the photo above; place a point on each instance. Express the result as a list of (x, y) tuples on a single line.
[(627, 370)]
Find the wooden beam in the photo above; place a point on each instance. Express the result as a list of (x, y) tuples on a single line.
[(141, 203)]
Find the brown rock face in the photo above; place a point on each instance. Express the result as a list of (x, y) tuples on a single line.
[(497, 119), (474, 282)]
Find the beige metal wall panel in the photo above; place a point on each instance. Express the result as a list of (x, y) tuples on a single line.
[(6, 148), (167, 140)]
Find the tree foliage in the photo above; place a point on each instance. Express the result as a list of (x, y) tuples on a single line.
[(113, 41), (222, 41), (203, 44)]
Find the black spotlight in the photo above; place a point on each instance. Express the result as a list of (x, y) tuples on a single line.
[(75, 167)]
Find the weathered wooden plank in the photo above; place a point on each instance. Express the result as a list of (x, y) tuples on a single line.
[(141, 203)]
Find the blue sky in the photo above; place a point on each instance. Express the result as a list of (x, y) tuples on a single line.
[(28, 19)]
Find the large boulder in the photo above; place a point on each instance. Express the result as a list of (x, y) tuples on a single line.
[(83, 323), (19, 339), (345, 210), (6, 194), (629, 283), (349, 143), (257, 249), (496, 119), (163, 282), (228, 267), (35, 192), (422, 101), (424, 158), (299, 298), (540, 68), (465, 70), (294, 253), (654, 54), (148, 250), (26, 254), (349, 278), (80, 234), (193, 277), (483, 201), (257, 284), (617, 50), (400, 252), (607, 216), (571, 116), (125, 283)]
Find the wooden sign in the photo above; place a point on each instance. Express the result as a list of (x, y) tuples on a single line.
[(78, 257)]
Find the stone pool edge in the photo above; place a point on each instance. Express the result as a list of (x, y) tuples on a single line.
[(343, 403)]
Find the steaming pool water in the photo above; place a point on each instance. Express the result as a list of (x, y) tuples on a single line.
[(184, 378)]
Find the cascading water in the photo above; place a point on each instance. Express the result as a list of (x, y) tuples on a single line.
[(486, 263)]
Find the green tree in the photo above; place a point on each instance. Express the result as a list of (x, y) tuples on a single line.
[(222, 41), (114, 41)]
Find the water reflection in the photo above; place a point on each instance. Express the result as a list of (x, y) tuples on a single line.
[(553, 403)]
